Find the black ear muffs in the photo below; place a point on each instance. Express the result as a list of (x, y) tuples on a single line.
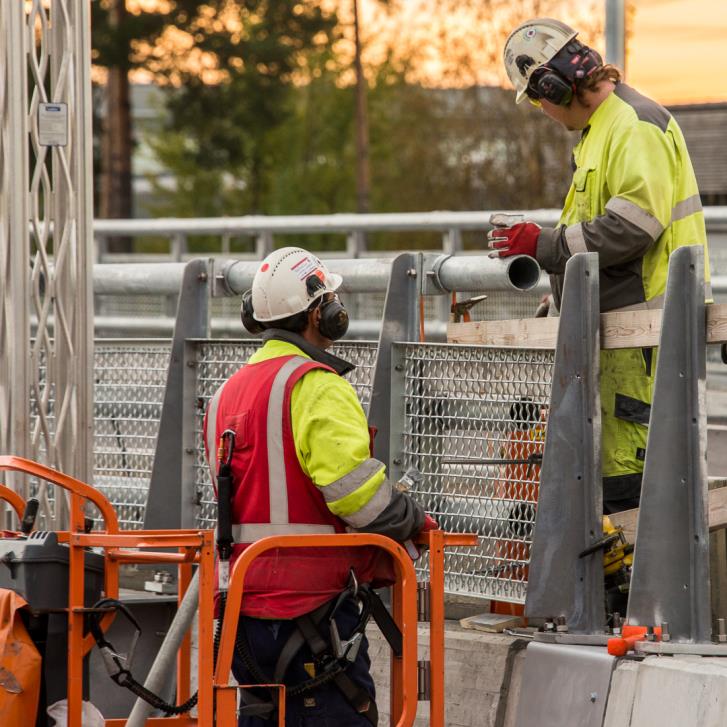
[(247, 315), (334, 319), (550, 86), (556, 82)]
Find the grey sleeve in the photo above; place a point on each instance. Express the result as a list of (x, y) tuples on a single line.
[(400, 520), (615, 239)]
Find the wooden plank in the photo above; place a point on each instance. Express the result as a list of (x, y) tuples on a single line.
[(619, 329), (717, 515)]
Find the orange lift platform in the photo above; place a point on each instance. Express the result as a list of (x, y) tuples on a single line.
[(217, 698)]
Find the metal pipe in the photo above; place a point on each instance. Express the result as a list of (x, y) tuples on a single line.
[(137, 279), (155, 326), (162, 670), (488, 273), (361, 275)]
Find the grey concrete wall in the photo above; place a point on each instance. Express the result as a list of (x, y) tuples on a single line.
[(480, 670)]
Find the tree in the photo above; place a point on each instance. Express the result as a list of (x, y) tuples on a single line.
[(118, 39)]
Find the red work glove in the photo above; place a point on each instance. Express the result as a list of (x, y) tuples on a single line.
[(429, 524), (520, 239)]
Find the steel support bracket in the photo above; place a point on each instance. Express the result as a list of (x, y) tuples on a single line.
[(670, 578), (570, 502), (400, 324), (164, 509)]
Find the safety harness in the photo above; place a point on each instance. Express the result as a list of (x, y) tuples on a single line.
[(332, 655)]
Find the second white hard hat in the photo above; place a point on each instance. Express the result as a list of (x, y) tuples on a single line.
[(279, 287), (530, 45)]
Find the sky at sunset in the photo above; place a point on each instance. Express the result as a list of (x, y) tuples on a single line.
[(678, 50)]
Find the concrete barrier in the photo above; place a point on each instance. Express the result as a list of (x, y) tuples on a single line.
[(679, 691), (481, 670)]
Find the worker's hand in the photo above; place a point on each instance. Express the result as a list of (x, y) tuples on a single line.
[(429, 524), (519, 239), (543, 308)]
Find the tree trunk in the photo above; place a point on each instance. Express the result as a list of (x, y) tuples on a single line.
[(115, 199)]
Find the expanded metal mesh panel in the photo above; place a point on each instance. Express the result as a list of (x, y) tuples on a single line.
[(130, 378), (217, 361), (473, 423)]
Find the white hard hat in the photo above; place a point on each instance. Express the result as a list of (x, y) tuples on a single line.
[(530, 45), (279, 287)]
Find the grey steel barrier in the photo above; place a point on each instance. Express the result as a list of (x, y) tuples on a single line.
[(455, 402), (472, 420)]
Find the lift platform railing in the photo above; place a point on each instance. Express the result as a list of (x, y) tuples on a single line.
[(405, 673), (12, 498), (410, 682), (193, 546)]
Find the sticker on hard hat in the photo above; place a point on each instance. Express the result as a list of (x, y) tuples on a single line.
[(305, 267)]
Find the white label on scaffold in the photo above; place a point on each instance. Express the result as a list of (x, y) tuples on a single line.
[(53, 124)]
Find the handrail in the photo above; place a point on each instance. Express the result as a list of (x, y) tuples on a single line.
[(405, 670), (13, 499), (407, 623)]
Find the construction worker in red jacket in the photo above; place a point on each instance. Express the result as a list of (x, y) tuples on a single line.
[(633, 200), (299, 453)]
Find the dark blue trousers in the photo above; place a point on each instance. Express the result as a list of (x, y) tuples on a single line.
[(322, 707)]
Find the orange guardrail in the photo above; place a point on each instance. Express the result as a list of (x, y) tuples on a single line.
[(194, 546), (404, 670), (13, 499), (215, 694)]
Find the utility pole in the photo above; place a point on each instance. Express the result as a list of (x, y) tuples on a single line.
[(363, 171), (616, 33)]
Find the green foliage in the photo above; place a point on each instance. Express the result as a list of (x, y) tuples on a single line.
[(276, 136)]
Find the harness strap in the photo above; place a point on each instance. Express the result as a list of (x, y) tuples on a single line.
[(384, 620), (356, 696)]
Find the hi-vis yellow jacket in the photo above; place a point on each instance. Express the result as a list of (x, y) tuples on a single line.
[(633, 200), (332, 444)]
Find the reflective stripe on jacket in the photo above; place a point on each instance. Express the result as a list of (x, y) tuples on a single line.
[(274, 495)]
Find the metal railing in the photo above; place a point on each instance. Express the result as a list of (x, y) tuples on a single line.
[(353, 228)]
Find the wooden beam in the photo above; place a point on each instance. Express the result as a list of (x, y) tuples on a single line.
[(717, 514), (619, 329)]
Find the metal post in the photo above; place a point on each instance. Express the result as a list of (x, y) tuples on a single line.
[(73, 239), (264, 244), (14, 255), (400, 323), (616, 33), (568, 521), (670, 579), (165, 508)]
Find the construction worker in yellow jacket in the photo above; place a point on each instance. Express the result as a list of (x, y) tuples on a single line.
[(296, 441), (633, 200)]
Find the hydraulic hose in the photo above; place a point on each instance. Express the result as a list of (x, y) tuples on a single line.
[(158, 679)]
